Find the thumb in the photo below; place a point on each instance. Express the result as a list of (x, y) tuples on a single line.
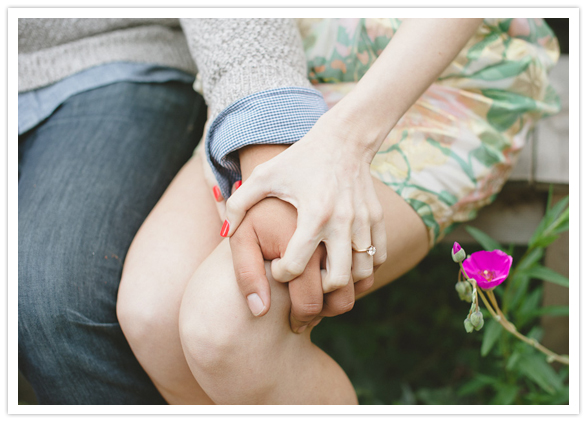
[(252, 191), (249, 268)]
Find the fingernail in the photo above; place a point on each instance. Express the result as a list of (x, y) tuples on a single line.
[(237, 185), (217, 194), (255, 304), (301, 329), (225, 228)]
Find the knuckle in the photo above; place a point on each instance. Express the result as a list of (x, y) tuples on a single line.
[(239, 239), (246, 278), (380, 257), (362, 217), (368, 283), (335, 282), (377, 214), (260, 172), (344, 306), (293, 268), (307, 310), (232, 205), (362, 273), (344, 215)]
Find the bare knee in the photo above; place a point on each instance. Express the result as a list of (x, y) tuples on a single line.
[(145, 314), (229, 350)]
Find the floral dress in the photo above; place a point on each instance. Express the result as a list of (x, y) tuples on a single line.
[(453, 150)]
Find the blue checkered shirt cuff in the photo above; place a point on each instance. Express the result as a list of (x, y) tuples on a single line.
[(273, 117)]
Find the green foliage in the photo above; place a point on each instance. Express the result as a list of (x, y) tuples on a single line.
[(406, 344), (528, 377), (491, 333)]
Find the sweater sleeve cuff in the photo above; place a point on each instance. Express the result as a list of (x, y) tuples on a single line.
[(272, 117)]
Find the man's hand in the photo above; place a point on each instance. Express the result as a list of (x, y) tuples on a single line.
[(264, 235)]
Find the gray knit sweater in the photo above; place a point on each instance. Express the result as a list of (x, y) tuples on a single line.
[(235, 57)]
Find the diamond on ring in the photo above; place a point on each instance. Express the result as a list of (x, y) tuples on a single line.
[(371, 250)]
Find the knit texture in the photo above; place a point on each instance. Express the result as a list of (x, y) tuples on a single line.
[(239, 57), (236, 57)]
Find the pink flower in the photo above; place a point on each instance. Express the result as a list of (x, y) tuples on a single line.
[(488, 268)]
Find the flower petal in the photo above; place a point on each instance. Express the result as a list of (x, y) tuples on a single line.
[(488, 268)]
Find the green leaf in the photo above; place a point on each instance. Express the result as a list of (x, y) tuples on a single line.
[(563, 227), (485, 240), (537, 369), (540, 398), (545, 241), (506, 394), (533, 257), (492, 332), (512, 360), (551, 311), (528, 307), (554, 212), (561, 222), (546, 274), (563, 373), (477, 383), (521, 283), (554, 222), (536, 333)]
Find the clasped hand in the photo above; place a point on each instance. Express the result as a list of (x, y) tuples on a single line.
[(326, 178)]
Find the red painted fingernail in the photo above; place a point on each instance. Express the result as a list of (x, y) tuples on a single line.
[(217, 194), (237, 185), (225, 228)]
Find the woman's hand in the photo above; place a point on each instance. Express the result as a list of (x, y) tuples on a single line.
[(326, 177)]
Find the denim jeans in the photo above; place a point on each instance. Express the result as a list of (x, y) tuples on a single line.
[(88, 177)]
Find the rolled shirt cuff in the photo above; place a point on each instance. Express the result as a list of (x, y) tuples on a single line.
[(278, 116)]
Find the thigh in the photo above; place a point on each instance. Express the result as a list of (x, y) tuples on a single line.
[(180, 232), (89, 176), (407, 237)]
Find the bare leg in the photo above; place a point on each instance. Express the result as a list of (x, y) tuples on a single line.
[(241, 359), (235, 357), (178, 234)]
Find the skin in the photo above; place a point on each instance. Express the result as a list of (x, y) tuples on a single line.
[(210, 348), (213, 349)]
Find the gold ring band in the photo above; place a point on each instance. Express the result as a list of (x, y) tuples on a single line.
[(371, 250)]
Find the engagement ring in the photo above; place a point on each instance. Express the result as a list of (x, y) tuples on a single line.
[(371, 250)]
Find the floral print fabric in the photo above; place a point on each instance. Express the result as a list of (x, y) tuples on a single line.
[(453, 150)]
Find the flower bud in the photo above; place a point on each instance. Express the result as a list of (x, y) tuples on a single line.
[(480, 325), (468, 325), (477, 320), (464, 290), (458, 253)]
